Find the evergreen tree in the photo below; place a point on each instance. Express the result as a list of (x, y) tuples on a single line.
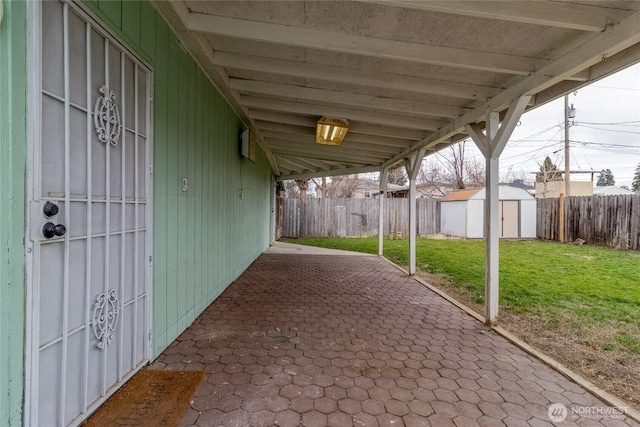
[(605, 179), (397, 176), (548, 172), (635, 184)]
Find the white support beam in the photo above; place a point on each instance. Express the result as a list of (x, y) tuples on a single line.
[(492, 227), (596, 50), (355, 151), (290, 164), (351, 136), (349, 114), (319, 153), (475, 132), (491, 145), (289, 119), (508, 124), (384, 176), (361, 45), (353, 76), (354, 127), (334, 172), (309, 142), (412, 165), (548, 13), (348, 99), (313, 164)]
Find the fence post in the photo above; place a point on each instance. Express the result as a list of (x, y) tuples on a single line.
[(561, 218)]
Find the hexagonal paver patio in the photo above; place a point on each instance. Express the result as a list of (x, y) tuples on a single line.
[(339, 340)]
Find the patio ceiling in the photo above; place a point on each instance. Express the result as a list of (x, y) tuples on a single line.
[(405, 74)]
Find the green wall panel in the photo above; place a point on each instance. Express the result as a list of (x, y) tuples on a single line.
[(203, 238), (206, 237), (13, 161)]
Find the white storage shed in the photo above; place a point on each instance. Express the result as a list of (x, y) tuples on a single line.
[(462, 213)]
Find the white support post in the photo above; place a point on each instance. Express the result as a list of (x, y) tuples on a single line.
[(412, 165), (491, 145), (383, 190), (491, 225), (412, 227)]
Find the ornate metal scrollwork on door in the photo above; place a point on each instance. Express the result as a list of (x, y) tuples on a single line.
[(106, 117), (106, 311)]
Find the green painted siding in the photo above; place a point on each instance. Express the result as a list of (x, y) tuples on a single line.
[(206, 237), (13, 161)]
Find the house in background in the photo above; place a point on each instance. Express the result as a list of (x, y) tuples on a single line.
[(519, 183), (610, 190), (360, 188), (462, 213), (553, 188)]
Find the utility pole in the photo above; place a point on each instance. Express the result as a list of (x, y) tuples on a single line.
[(567, 179)]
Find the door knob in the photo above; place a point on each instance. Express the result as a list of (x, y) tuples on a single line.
[(50, 209), (50, 230)]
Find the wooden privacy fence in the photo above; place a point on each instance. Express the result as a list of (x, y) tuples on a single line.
[(355, 217), (612, 221)]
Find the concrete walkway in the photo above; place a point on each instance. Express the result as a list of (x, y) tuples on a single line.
[(292, 248), (341, 340)]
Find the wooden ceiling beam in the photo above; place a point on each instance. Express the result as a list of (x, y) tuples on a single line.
[(345, 113), (356, 127), (548, 13), (348, 99), (353, 76), (338, 154), (309, 140), (362, 45), (333, 172), (351, 136)]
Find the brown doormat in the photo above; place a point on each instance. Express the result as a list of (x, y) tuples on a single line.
[(150, 398)]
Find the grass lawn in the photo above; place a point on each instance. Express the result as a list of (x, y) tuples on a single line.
[(585, 296)]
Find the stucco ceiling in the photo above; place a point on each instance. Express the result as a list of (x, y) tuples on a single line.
[(406, 74)]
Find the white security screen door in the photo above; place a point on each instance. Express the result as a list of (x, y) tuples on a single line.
[(89, 218)]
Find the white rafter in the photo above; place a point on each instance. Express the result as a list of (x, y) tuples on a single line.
[(278, 144), (349, 114), (348, 99), (353, 76), (362, 45), (294, 119), (548, 13), (309, 141), (351, 136)]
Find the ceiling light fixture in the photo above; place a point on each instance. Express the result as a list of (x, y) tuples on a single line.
[(331, 131)]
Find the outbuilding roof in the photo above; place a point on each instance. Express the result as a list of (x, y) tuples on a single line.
[(460, 195), (505, 192)]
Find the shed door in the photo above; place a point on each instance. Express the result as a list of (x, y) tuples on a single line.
[(89, 213), (509, 218)]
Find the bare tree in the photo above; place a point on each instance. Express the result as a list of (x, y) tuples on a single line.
[(291, 190), (475, 172), (455, 162), (397, 175), (434, 181), (303, 186), (452, 171), (321, 186), (342, 186)]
